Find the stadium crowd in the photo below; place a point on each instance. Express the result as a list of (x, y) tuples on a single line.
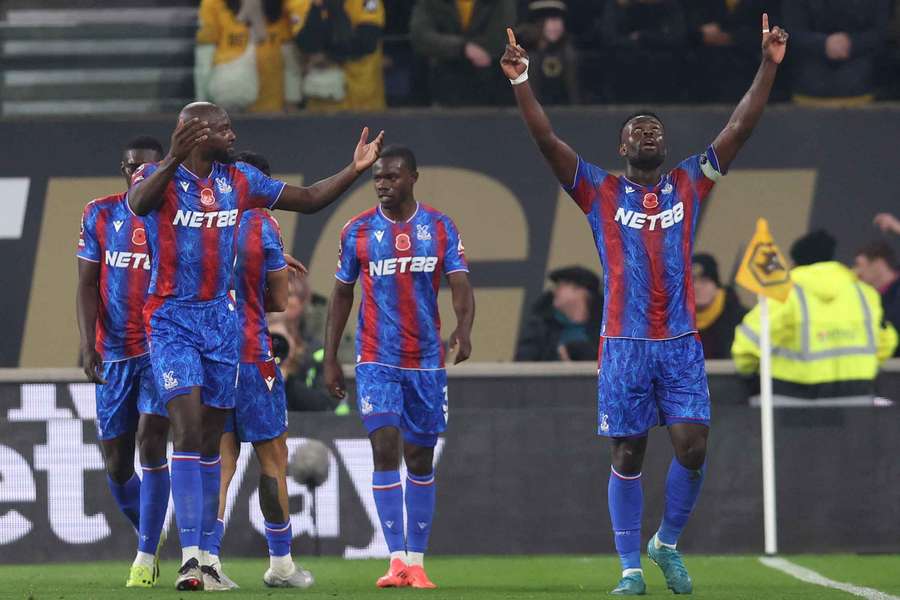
[(357, 55)]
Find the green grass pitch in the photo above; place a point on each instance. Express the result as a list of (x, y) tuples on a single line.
[(470, 577)]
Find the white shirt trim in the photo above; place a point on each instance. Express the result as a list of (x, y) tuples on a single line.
[(87, 259), (127, 358), (413, 216), (372, 362), (345, 281), (456, 271)]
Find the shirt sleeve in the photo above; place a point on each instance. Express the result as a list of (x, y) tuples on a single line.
[(703, 170), (88, 247), (584, 188), (348, 261), (264, 191), (273, 245), (454, 252), (143, 172), (208, 30)]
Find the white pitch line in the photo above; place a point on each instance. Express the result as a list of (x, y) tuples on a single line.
[(810, 576)]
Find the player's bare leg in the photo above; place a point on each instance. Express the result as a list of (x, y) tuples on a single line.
[(419, 510), (388, 492), (186, 416), (626, 500), (683, 484), (211, 482), (273, 502), (152, 435)]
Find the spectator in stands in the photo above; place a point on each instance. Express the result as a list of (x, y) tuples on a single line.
[(565, 322), (305, 317), (463, 40), (245, 57), (300, 361), (877, 265), (647, 41), (343, 58), (553, 71), (829, 337), (836, 43), (718, 309), (724, 35)]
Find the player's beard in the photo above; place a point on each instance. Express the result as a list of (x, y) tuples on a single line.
[(223, 155), (649, 162)]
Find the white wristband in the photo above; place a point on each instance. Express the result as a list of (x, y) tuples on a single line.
[(523, 77)]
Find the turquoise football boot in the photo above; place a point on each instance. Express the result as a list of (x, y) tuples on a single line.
[(630, 585), (669, 561)]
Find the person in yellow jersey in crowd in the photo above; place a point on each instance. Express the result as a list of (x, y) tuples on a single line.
[(828, 338), (341, 44), (226, 27)]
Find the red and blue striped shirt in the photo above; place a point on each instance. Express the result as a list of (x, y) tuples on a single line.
[(401, 266), (113, 237), (645, 237)]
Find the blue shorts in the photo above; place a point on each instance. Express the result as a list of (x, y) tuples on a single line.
[(128, 390), (260, 409), (413, 401), (645, 383), (194, 344)]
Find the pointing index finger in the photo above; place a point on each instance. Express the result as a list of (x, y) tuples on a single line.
[(765, 22), (511, 36)]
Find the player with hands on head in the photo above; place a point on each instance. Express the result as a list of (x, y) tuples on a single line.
[(192, 201), (652, 370)]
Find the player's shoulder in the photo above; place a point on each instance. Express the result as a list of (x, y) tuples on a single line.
[(105, 203), (433, 214), (360, 219), (242, 168)]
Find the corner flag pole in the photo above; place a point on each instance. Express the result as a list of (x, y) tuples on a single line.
[(767, 427)]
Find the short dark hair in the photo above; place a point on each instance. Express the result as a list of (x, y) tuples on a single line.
[(635, 115), (401, 152), (254, 159), (879, 249), (145, 142), (815, 247)]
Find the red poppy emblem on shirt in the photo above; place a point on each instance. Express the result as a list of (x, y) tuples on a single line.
[(650, 200), (206, 197), (402, 243), (139, 237)]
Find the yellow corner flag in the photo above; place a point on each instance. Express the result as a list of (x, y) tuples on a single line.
[(763, 269)]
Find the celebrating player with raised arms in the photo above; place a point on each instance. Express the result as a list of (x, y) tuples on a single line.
[(113, 275), (191, 202), (651, 360), (399, 249)]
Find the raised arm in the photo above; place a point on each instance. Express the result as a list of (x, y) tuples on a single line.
[(338, 312), (748, 111), (314, 198), (87, 298), (464, 307), (559, 155), (147, 194)]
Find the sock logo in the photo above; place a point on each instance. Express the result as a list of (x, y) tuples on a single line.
[(422, 525), (389, 524)]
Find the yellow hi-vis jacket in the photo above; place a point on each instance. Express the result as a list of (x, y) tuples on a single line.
[(828, 338)]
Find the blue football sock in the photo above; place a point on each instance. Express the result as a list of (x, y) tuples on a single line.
[(388, 493), (419, 510), (154, 503), (626, 503), (128, 497), (187, 494), (278, 536), (682, 489), (211, 476), (215, 541)]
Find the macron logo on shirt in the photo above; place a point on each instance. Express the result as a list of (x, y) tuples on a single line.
[(215, 218)]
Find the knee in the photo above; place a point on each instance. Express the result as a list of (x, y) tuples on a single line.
[(386, 454), (692, 453), (273, 458), (419, 463), (187, 440), (628, 459), (152, 448), (119, 467)]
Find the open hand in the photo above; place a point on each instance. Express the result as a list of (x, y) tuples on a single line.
[(334, 379), (774, 42), (366, 152), (187, 136), (295, 265), (461, 345), (514, 60), (887, 223), (93, 365)]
